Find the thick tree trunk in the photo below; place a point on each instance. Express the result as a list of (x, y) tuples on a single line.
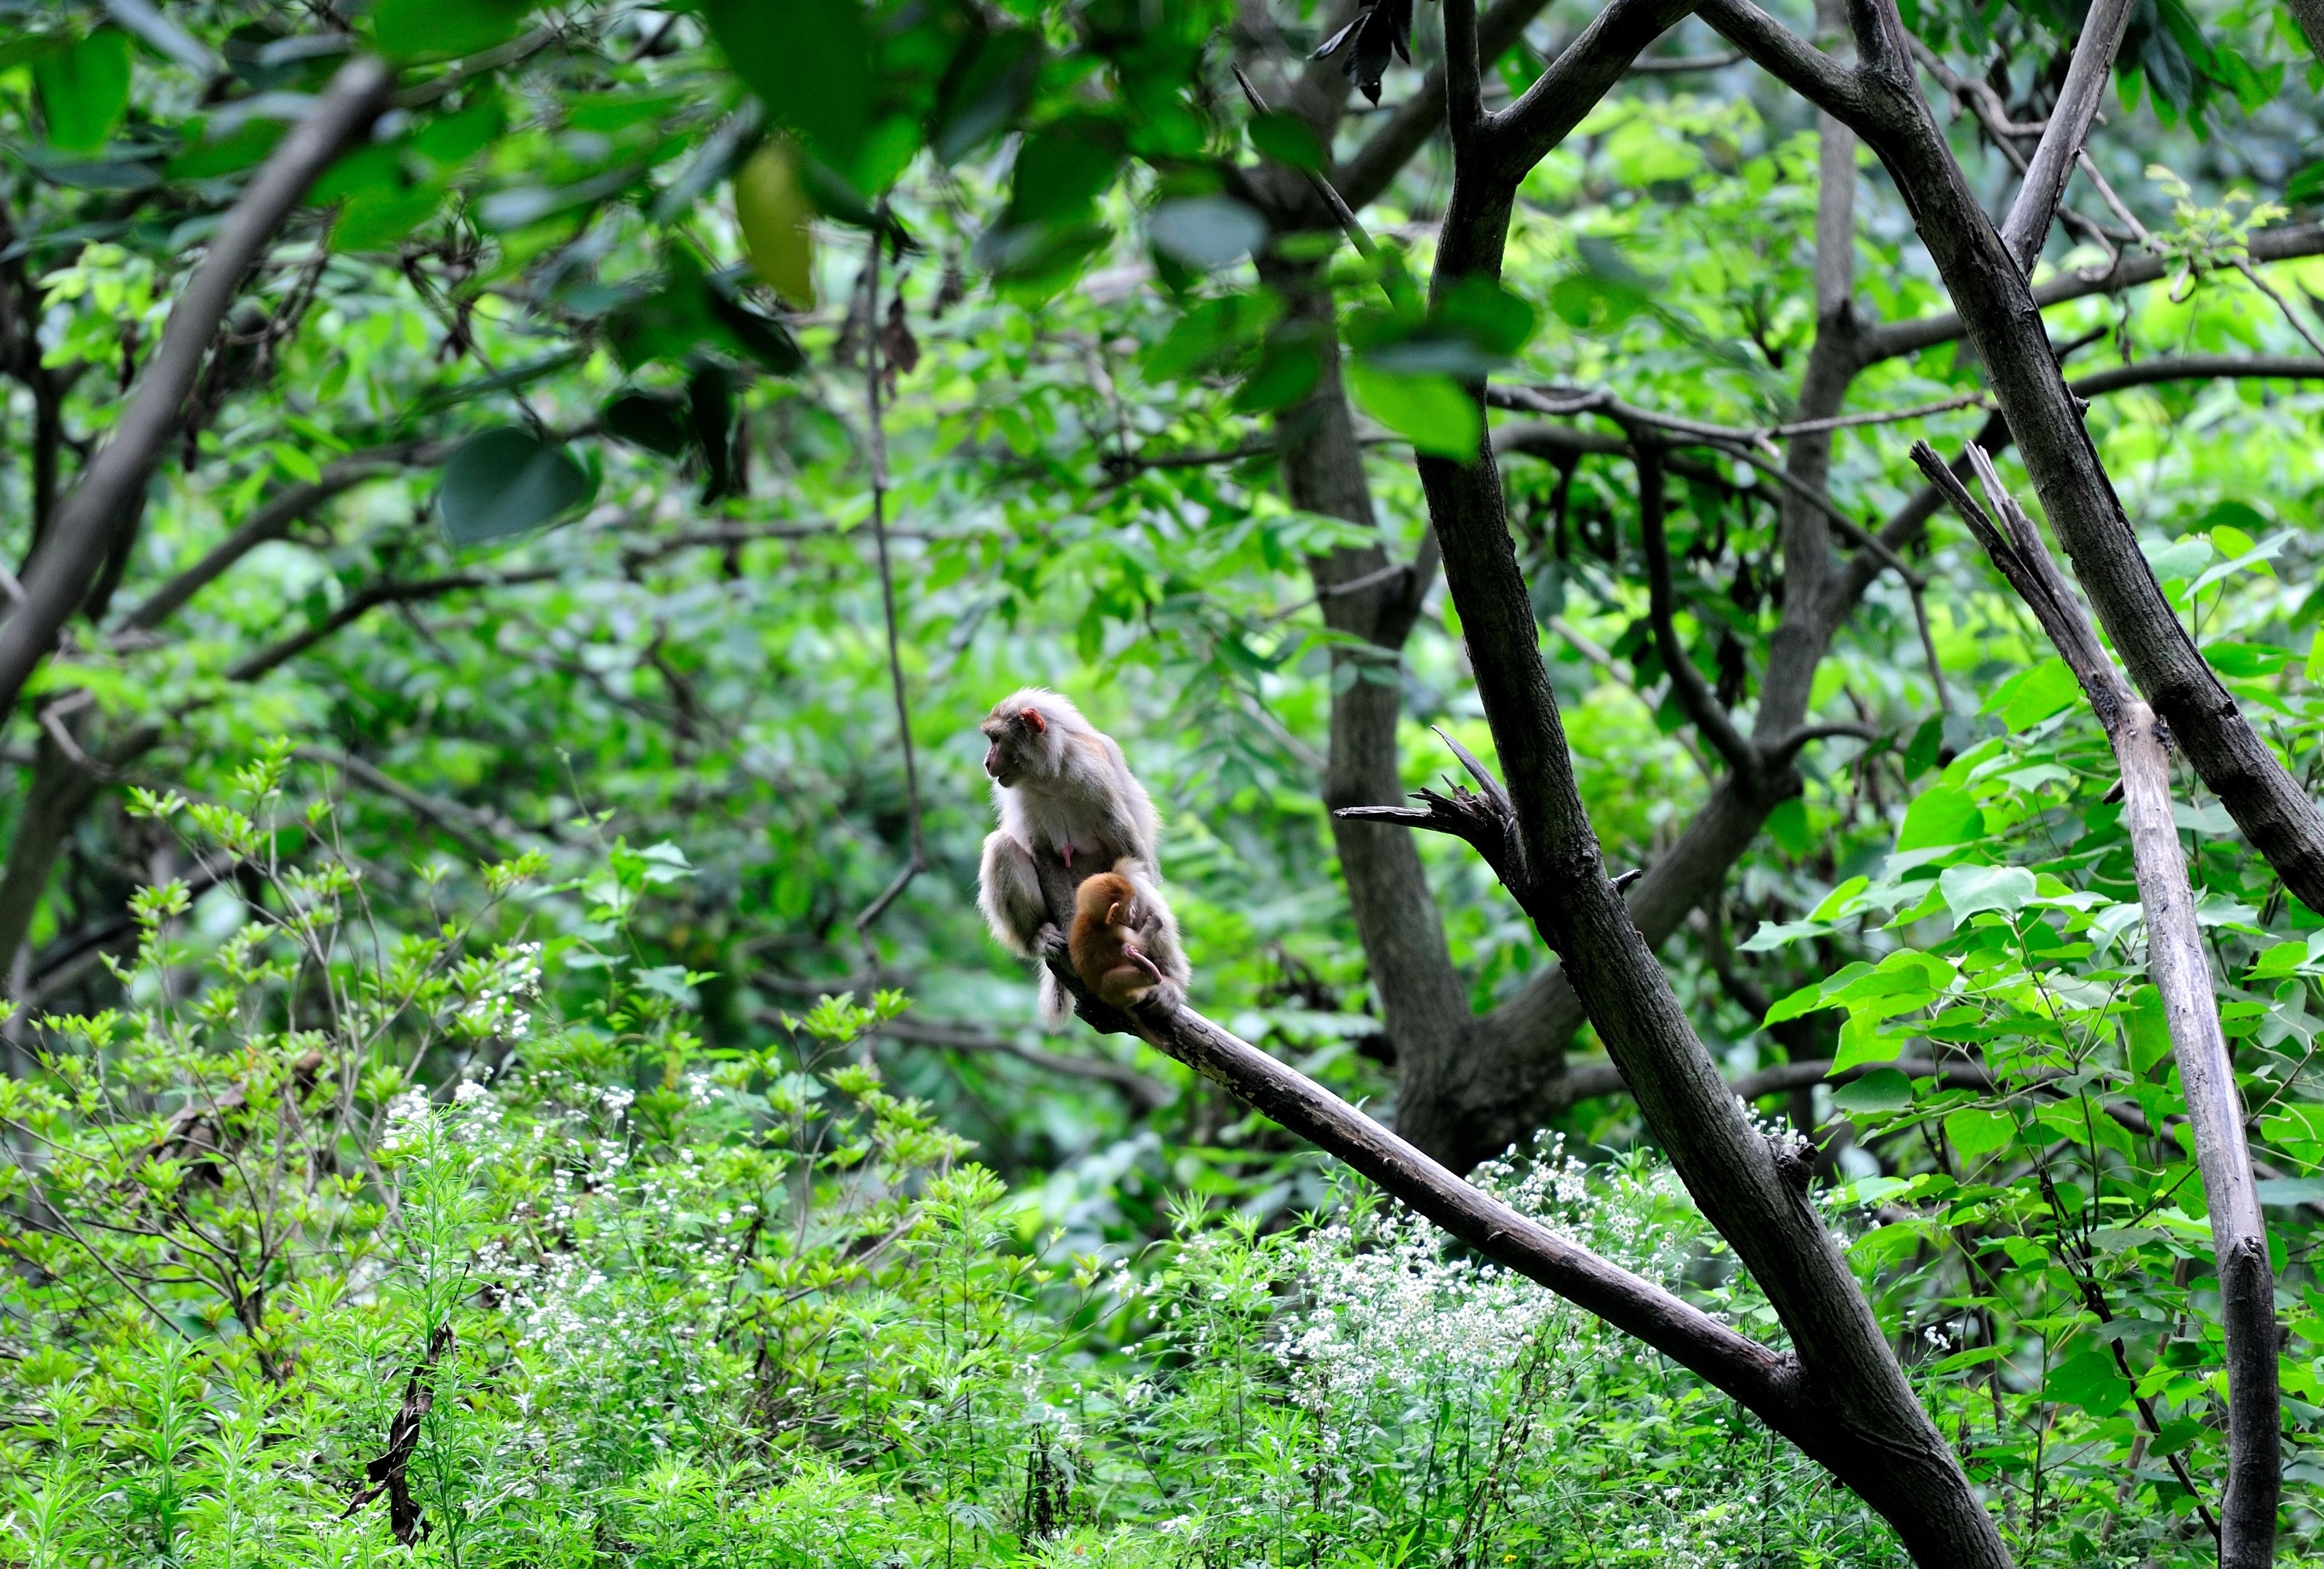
[(1423, 1002), (1753, 1191)]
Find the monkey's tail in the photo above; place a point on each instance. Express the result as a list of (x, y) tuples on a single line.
[(1056, 1002)]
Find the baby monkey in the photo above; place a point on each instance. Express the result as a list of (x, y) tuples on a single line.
[(1114, 924)]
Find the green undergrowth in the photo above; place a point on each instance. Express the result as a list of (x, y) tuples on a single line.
[(343, 1247)]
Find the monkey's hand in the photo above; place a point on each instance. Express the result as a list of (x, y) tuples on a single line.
[(1143, 962)]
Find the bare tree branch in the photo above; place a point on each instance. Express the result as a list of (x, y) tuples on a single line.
[(1695, 697), (1763, 1381), (110, 497), (2287, 242), (2181, 973), (875, 438)]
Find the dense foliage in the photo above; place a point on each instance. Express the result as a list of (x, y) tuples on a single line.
[(453, 1104)]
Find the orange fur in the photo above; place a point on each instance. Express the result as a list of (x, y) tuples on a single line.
[(1105, 941)]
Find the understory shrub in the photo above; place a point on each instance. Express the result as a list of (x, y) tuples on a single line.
[(343, 1247)]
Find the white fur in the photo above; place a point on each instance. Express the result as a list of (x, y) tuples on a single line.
[(1077, 796)]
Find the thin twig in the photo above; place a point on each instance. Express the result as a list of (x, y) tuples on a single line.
[(2178, 965), (1349, 224), (876, 444), (1878, 417), (2281, 304)]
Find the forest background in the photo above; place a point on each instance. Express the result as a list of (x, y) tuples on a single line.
[(515, 516)]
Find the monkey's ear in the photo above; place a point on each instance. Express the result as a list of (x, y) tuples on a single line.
[(1033, 720)]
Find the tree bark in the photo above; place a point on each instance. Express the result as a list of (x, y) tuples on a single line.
[(1421, 999), (1752, 1191), (59, 791)]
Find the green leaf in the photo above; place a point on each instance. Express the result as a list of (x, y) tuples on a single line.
[(84, 90), (378, 219), (2247, 660), (1287, 139), (1905, 980), (1881, 1090), (1973, 1132), (985, 91), (1519, 69), (760, 338), (1862, 1040), (437, 29), (772, 206), (2148, 1030), (1835, 904), (1061, 171), (642, 420), (1488, 314), (1787, 826), (249, 144), (1771, 935), (1210, 334), (1968, 890), (1206, 232), (1807, 1000), (1928, 741), (455, 138), (2306, 186), (2034, 696), (2177, 558), (1941, 815), (810, 62), (1290, 364), (2090, 1379), (506, 482), (1435, 412), (28, 48)]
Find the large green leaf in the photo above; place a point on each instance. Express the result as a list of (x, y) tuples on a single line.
[(84, 90), (1435, 412), (1941, 815), (2090, 1379), (810, 62), (507, 481), (434, 29)]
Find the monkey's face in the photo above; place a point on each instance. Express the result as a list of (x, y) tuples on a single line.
[(1013, 743)]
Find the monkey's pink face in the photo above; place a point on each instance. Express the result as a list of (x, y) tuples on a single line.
[(1000, 760), (1009, 739)]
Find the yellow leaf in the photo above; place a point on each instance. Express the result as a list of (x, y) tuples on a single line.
[(772, 208)]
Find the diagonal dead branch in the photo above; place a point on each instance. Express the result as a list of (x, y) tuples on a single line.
[(2180, 967)]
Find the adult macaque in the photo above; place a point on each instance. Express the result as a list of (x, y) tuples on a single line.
[(1124, 944), (1061, 789)]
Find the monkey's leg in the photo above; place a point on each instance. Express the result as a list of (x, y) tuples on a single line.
[(1008, 893)]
